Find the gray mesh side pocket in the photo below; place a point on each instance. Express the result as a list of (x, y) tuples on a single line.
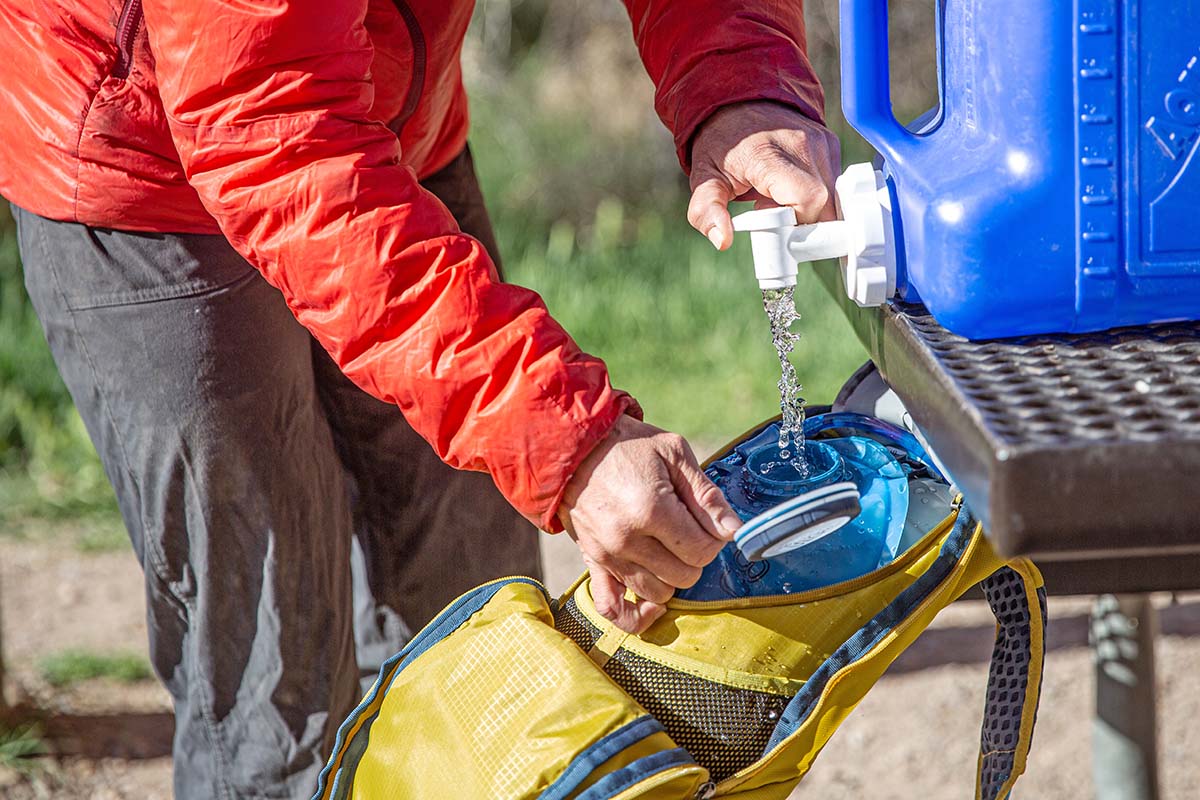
[(1008, 680), (723, 728)]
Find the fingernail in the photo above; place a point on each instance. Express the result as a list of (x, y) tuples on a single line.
[(714, 236), (729, 521)]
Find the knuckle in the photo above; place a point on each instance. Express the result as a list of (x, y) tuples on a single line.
[(673, 442), (819, 194), (708, 495), (813, 201)]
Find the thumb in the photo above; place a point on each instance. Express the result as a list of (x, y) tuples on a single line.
[(702, 497), (708, 210)]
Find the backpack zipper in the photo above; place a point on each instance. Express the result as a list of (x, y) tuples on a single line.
[(128, 25), (417, 86)]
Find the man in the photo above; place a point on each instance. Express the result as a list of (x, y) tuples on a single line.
[(191, 177)]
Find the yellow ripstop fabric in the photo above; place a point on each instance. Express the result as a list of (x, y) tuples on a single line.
[(774, 645), (770, 644), (776, 775), (497, 710), (506, 696)]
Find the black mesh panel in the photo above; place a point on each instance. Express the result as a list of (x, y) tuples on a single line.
[(723, 728)]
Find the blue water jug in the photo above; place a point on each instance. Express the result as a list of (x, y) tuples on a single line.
[(1057, 185)]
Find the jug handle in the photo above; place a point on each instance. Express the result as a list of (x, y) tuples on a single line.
[(866, 80)]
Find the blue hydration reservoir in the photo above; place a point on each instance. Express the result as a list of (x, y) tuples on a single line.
[(843, 517), (1056, 186)]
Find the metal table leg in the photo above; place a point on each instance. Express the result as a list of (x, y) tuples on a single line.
[(1124, 742)]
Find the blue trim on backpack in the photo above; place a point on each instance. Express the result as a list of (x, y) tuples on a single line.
[(444, 624), (869, 635), (597, 753), (614, 783)]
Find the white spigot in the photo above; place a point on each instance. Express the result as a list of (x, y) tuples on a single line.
[(864, 239)]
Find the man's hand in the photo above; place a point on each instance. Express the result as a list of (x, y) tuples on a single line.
[(646, 518), (765, 152)]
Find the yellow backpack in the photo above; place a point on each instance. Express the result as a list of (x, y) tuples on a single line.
[(510, 694)]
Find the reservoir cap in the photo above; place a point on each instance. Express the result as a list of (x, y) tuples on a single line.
[(803, 519)]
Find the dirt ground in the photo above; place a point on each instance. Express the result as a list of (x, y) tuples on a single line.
[(914, 736)]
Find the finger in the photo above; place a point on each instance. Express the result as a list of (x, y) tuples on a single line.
[(645, 584), (608, 594), (788, 181), (828, 163), (708, 210), (701, 496), (640, 615), (681, 534), (650, 554)]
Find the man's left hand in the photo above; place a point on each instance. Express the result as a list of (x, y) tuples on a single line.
[(766, 152)]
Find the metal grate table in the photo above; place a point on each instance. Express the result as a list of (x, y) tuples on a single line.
[(1081, 451)]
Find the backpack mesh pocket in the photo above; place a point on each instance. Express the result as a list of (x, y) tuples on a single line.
[(723, 728)]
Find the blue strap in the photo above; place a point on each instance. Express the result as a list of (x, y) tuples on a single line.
[(597, 753), (614, 783)]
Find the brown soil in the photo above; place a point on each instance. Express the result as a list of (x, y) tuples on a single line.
[(914, 736)]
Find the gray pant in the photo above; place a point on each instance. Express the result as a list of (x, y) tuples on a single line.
[(245, 465)]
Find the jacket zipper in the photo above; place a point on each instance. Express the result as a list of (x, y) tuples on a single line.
[(417, 86), (127, 30)]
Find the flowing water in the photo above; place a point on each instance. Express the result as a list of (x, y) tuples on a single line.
[(781, 312)]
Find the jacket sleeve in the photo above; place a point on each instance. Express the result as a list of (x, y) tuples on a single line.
[(702, 56), (268, 103)]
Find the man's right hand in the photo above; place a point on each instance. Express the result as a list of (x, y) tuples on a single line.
[(646, 519)]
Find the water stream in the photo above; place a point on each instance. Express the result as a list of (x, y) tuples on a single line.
[(781, 312)]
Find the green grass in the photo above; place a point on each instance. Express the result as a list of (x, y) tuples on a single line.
[(18, 747), (680, 325), (70, 667), (48, 468), (100, 533)]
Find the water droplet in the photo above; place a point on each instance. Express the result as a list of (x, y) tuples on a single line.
[(772, 715)]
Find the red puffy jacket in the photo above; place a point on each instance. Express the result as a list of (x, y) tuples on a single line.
[(298, 129)]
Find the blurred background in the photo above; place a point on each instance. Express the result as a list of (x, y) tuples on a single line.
[(589, 203)]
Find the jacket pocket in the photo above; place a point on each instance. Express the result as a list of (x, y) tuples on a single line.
[(416, 86)]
